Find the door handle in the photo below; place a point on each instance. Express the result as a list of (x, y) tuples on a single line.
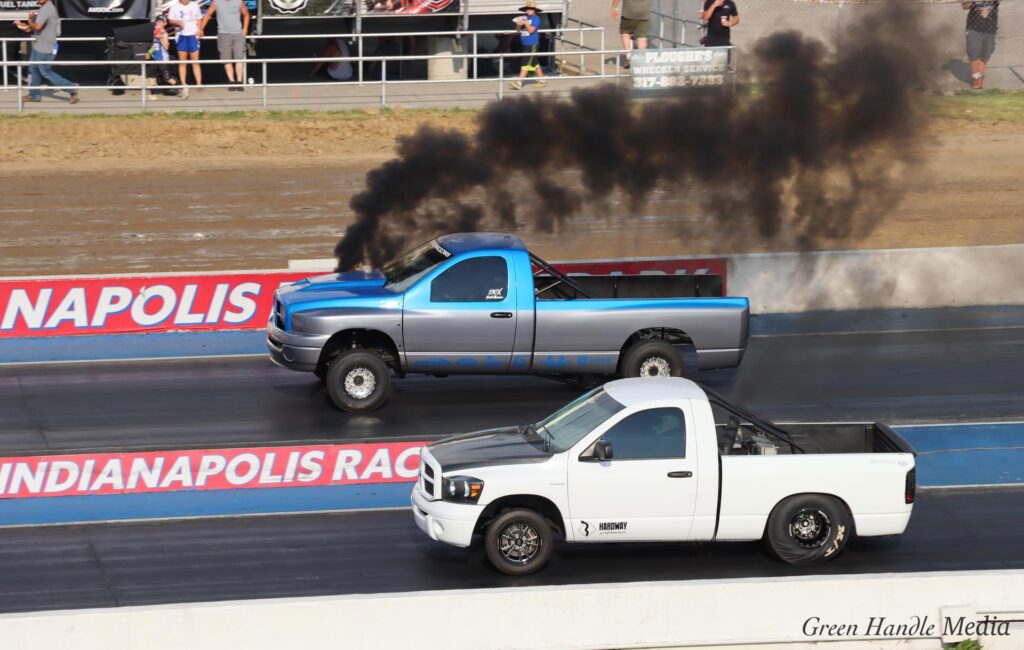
[(501, 314), (680, 474)]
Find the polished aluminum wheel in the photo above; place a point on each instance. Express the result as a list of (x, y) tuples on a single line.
[(655, 367), (360, 382)]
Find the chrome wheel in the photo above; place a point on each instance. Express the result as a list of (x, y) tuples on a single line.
[(519, 542), (810, 528), (655, 367), (360, 382)]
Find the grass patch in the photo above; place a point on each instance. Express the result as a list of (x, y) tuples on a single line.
[(986, 106)]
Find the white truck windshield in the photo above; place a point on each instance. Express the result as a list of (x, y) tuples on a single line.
[(567, 426)]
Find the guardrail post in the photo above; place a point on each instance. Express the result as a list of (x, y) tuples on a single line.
[(264, 75), (21, 98), (359, 37), (501, 75), (3, 44), (476, 73), (143, 93), (603, 55), (383, 82)]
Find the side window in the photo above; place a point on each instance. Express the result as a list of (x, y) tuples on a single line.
[(654, 433), (481, 279)]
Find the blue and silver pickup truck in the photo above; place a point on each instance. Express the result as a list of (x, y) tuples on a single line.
[(480, 303)]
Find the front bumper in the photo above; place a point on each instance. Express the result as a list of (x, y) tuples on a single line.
[(451, 523), (294, 351)]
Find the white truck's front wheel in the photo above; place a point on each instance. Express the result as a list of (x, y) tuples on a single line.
[(358, 380), (518, 542)]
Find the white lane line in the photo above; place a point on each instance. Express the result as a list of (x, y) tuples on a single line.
[(192, 357), (903, 331)]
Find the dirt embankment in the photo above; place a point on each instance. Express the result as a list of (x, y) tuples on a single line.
[(161, 193)]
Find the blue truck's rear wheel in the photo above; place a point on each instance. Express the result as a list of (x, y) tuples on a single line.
[(652, 358), (358, 380)]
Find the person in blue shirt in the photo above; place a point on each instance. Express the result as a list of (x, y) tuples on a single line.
[(527, 25)]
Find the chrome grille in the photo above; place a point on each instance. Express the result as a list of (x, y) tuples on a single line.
[(428, 475)]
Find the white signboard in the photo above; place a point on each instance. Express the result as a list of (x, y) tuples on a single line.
[(689, 67)]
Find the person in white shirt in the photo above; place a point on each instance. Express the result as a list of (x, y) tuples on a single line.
[(186, 15)]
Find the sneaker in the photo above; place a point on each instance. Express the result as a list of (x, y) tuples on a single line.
[(30, 98), (184, 93), (977, 83), (541, 83), (152, 97), (516, 85), (73, 99)]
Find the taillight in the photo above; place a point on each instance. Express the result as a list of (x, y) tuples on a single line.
[(911, 487)]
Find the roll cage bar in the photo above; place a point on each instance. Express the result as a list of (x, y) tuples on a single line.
[(767, 426), (557, 280)]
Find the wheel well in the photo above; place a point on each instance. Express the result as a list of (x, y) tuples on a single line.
[(374, 340), (842, 501), (546, 507), (670, 334)]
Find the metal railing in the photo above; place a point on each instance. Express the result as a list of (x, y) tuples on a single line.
[(358, 37)]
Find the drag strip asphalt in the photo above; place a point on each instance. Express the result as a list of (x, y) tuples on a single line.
[(933, 376), (68, 567)]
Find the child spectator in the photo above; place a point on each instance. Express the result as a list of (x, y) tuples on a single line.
[(160, 52), (528, 26), (982, 22), (186, 15)]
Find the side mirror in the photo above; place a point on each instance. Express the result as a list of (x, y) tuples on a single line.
[(602, 450)]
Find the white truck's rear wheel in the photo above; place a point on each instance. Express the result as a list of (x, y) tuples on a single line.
[(809, 528), (358, 380), (652, 358), (518, 542)]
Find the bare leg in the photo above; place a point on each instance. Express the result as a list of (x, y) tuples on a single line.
[(197, 71), (641, 43), (183, 68), (230, 69), (239, 74)]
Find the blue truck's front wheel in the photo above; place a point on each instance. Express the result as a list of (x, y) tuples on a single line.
[(358, 380)]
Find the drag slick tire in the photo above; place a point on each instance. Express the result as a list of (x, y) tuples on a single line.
[(809, 528), (358, 381), (519, 542), (652, 358)]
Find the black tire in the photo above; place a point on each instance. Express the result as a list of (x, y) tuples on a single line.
[(534, 537), (809, 528), (321, 372), (652, 358), (362, 369)]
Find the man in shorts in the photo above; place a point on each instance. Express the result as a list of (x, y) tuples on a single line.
[(186, 14), (635, 22), (982, 21), (232, 26)]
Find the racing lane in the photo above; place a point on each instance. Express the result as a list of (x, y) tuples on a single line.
[(223, 559), (942, 375)]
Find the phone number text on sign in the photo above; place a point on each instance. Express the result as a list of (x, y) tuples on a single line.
[(692, 67)]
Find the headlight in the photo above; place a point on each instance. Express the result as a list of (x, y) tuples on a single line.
[(461, 489)]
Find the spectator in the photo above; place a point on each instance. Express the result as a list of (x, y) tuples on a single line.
[(982, 21), (185, 15), (160, 52), (527, 26), (232, 26), (335, 70), (721, 16), (45, 24), (635, 22)]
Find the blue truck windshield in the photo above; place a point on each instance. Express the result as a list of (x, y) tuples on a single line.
[(564, 428), (406, 270)]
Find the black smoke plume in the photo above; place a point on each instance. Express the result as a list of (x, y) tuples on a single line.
[(810, 146)]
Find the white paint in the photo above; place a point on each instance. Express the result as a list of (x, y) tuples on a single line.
[(662, 614), (879, 279)]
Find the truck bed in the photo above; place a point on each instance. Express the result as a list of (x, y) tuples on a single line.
[(844, 438)]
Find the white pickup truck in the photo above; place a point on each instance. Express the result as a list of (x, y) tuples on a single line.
[(661, 459)]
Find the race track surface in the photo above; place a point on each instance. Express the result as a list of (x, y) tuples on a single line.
[(370, 552), (943, 375)]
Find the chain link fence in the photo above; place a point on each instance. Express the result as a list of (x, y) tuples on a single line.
[(943, 22)]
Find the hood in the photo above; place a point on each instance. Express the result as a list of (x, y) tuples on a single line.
[(482, 448), (334, 286)]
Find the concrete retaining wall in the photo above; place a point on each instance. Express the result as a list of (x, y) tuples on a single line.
[(879, 279), (632, 615)]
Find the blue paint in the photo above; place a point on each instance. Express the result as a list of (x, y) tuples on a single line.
[(201, 503), (975, 454), (131, 346)]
